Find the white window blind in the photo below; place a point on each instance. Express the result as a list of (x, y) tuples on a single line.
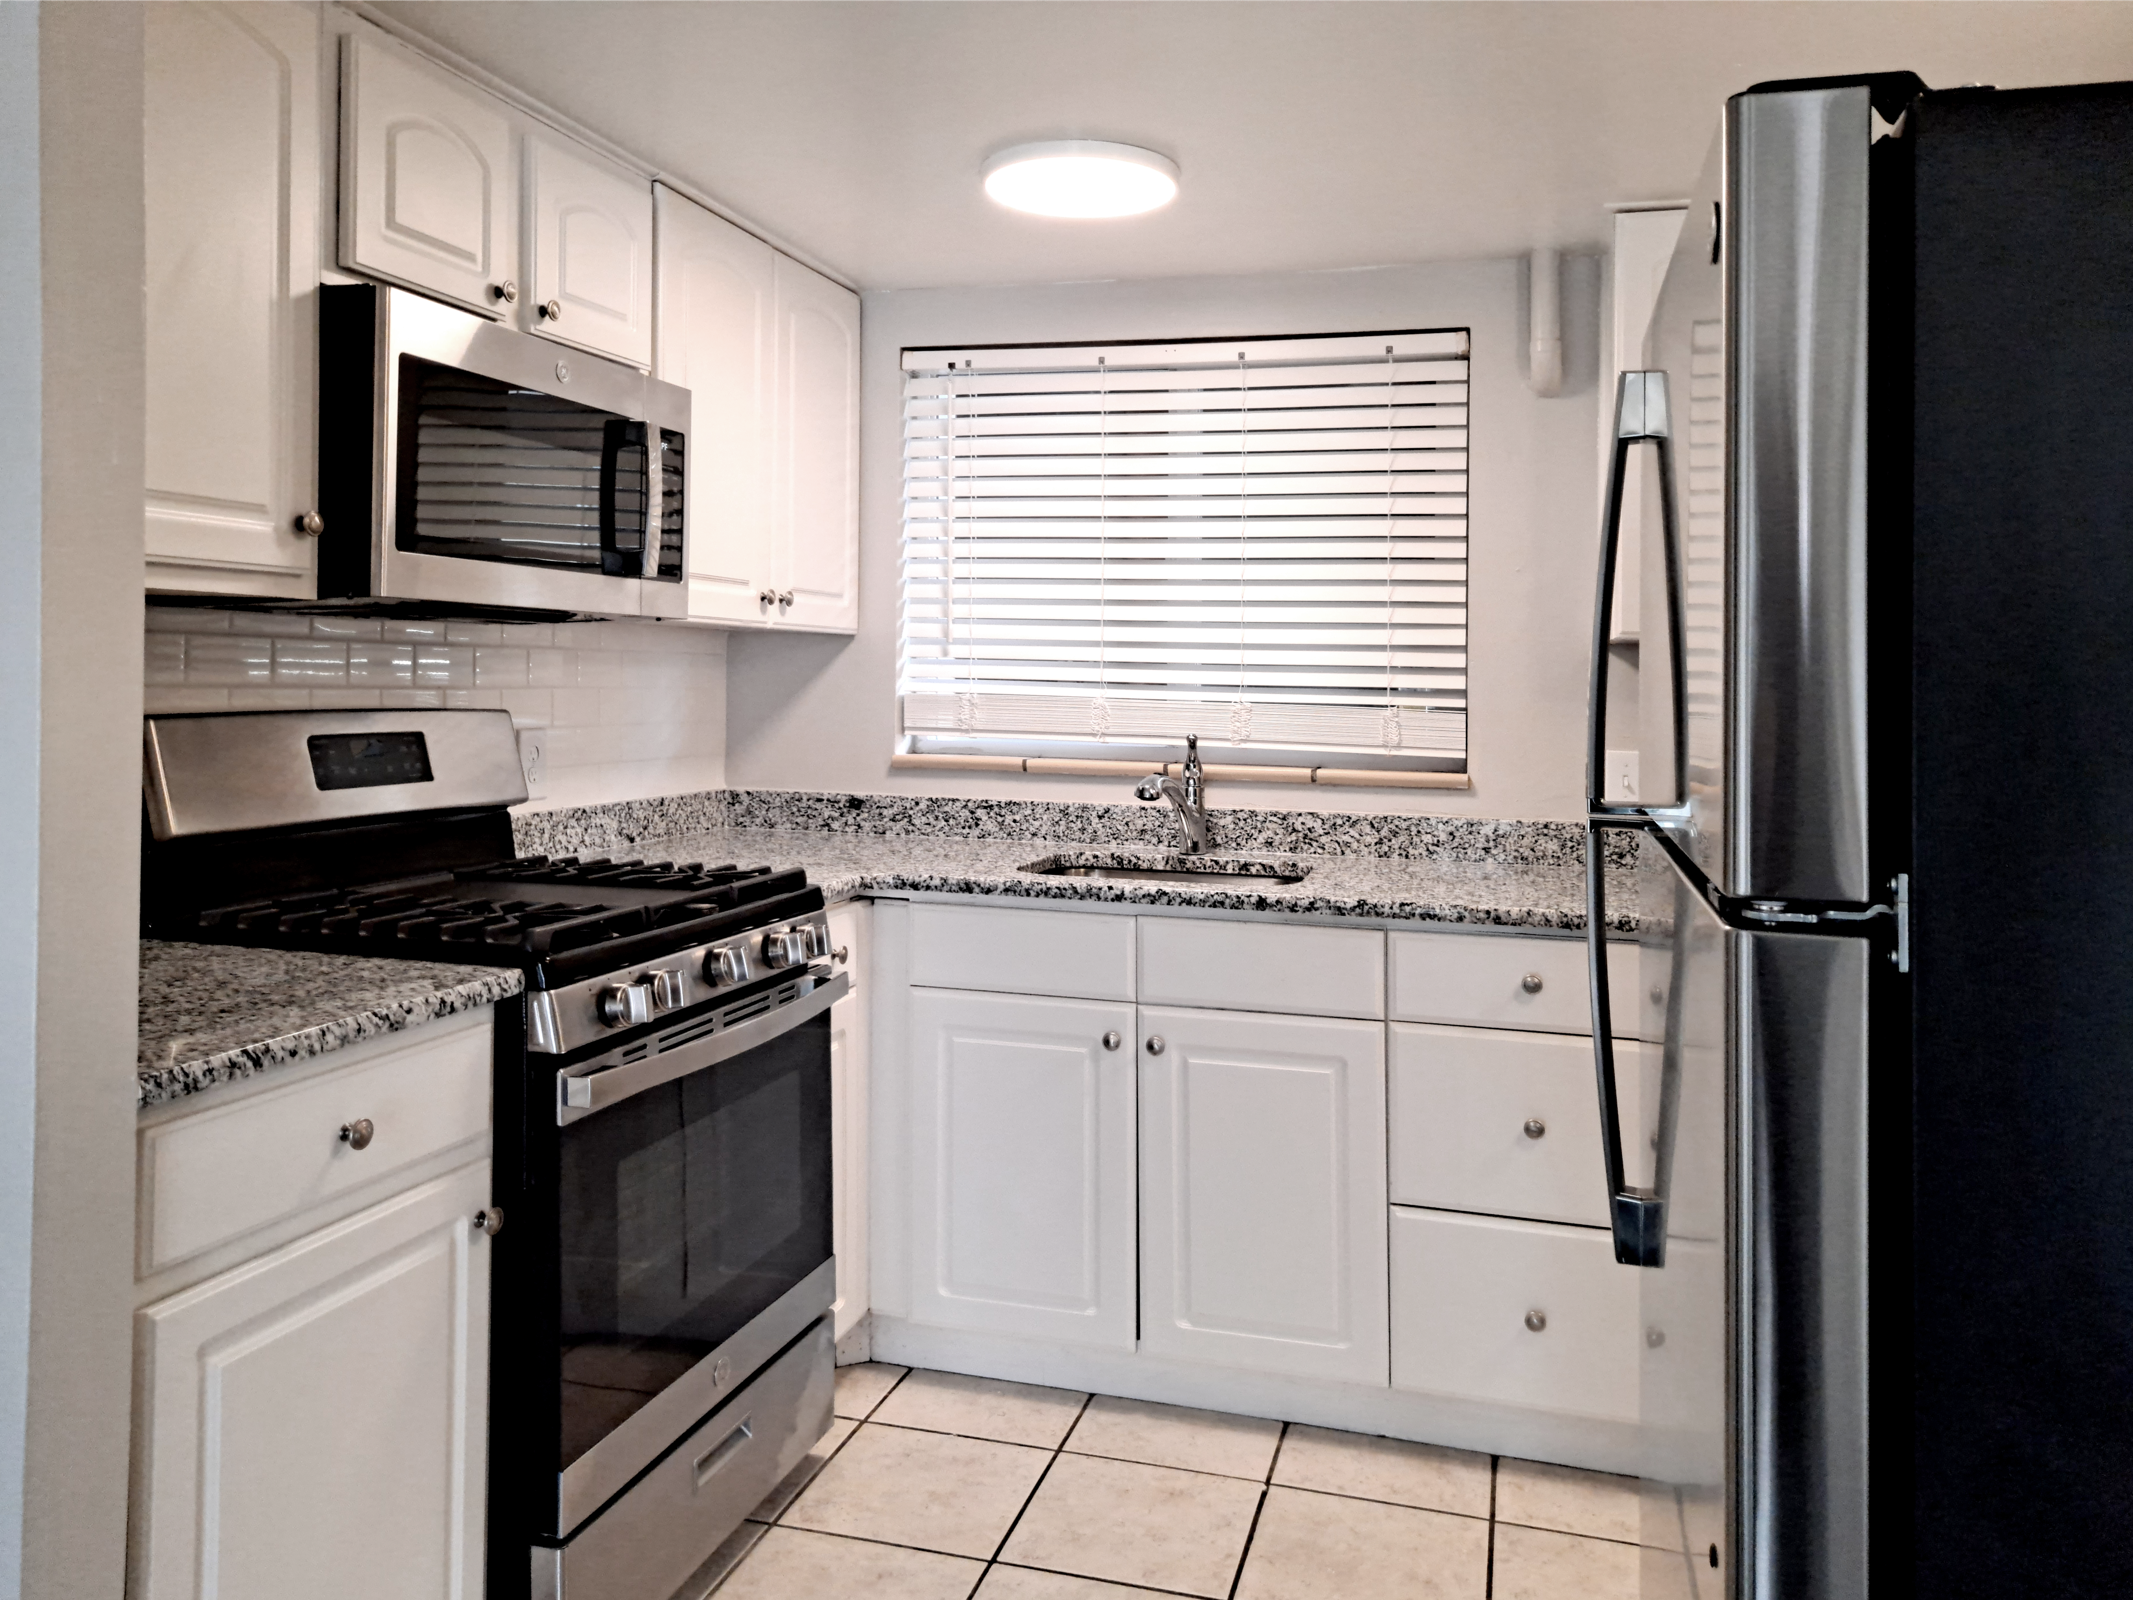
[(1260, 541)]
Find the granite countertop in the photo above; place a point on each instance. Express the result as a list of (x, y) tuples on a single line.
[(214, 1014), (1497, 894)]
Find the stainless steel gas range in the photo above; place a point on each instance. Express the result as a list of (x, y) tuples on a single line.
[(660, 1352)]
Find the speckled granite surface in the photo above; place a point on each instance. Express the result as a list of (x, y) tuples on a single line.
[(1475, 893), (216, 1013), (629, 825)]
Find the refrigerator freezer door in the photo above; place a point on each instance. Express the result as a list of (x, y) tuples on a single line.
[(1752, 1377), (1762, 328)]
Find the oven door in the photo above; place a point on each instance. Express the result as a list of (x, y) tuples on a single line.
[(496, 469), (691, 1214)]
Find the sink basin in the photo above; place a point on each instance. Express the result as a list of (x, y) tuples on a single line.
[(1169, 869)]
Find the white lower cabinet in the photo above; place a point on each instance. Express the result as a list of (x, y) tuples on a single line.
[(313, 1422), (1022, 1150), (1526, 1314), (1263, 1192)]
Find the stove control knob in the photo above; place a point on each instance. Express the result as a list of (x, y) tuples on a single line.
[(624, 1005), (726, 967), (787, 947), (670, 989)]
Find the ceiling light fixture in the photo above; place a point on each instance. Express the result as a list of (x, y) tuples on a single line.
[(1081, 178)]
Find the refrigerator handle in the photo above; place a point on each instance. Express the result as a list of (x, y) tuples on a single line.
[(1636, 1216), (1641, 415)]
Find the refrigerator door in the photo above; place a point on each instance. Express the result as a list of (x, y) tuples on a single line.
[(1761, 327), (1753, 1402)]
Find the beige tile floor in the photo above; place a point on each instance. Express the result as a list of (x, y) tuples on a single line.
[(934, 1486)]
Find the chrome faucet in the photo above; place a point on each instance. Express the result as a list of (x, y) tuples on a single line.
[(1188, 796)]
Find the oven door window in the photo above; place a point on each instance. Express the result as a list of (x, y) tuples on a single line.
[(684, 1212), (492, 472)]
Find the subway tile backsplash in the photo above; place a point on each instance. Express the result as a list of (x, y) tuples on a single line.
[(630, 709)]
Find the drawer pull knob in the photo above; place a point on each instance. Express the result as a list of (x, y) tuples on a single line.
[(1536, 1321), (1112, 1040), (1535, 1128), (357, 1134), (841, 954), (1531, 983), (551, 310), (1155, 1044), (1654, 1338), (490, 1220)]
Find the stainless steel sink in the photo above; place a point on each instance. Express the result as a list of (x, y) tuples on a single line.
[(1170, 869)]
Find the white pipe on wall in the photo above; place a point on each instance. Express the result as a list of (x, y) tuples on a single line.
[(1544, 321)]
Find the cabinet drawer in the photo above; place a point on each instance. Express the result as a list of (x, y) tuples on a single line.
[(218, 1174), (1462, 1289), (1079, 955), (1498, 981), (1262, 966), (1506, 1122)]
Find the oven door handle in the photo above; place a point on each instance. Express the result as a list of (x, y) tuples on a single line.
[(594, 1087)]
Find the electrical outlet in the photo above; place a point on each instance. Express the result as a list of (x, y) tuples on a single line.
[(1621, 774), (533, 758)]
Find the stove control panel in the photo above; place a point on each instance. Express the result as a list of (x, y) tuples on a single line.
[(561, 1020)]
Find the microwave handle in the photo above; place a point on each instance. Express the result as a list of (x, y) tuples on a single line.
[(622, 550)]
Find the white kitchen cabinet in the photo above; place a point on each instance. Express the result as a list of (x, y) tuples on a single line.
[(815, 493), (232, 220), (429, 180), (1262, 1178), (849, 927), (314, 1422), (1022, 1154), (1525, 1314), (1262, 966), (590, 251), (717, 300), (1012, 949)]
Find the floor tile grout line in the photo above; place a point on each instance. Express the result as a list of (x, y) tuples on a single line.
[(1030, 1499), (1250, 1533), (1130, 1588), (1488, 1582)]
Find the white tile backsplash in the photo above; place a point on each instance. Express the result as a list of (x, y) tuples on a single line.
[(634, 709)]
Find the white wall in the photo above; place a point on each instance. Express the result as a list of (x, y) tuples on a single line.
[(631, 709), (820, 713), (71, 417)]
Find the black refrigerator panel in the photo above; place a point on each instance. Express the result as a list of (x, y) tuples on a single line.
[(2022, 878)]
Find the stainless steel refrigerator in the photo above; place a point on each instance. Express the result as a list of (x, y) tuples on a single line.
[(1879, 890)]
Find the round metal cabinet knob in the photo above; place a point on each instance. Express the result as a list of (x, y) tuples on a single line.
[(841, 954), (551, 311), (357, 1134), (1654, 1338), (507, 291), (490, 1220), (1155, 1044), (1535, 1128), (1536, 1321), (311, 523), (784, 599), (1111, 1039), (1531, 983), (766, 597)]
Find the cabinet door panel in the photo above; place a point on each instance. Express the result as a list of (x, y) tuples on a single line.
[(818, 450), (1263, 1192), (592, 251), (429, 196), (314, 1423), (1022, 1127), (717, 339), (231, 188)]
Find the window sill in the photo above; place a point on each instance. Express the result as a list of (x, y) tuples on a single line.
[(1048, 766)]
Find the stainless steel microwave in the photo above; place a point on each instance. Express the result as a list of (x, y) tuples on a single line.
[(466, 464)]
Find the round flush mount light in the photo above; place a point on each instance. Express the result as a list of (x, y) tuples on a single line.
[(1081, 178)]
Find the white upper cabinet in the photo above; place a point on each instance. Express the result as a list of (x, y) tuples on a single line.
[(717, 339), (1262, 1179), (591, 251), (232, 221), (429, 191), (817, 451)]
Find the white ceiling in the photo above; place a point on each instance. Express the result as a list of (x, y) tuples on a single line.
[(1312, 133)]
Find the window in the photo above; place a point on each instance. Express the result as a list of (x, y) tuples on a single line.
[(1261, 541)]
